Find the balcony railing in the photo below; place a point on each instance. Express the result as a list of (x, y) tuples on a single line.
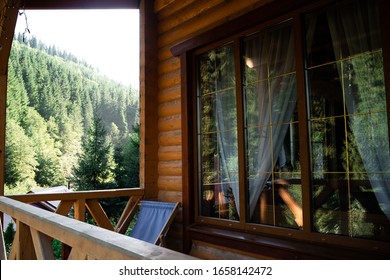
[(36, 228)]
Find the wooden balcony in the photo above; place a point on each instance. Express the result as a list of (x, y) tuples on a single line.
[(36, 228)]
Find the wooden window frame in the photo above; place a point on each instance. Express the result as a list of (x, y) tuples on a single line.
[(284, 242)]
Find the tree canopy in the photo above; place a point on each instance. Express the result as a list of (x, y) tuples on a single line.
[(55, 102)]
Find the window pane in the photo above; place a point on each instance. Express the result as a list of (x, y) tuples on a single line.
[(346, 29), (217, 127), (208, 112), (216, 70), (280, 202), (271, 130), (328, 145), (364, 83), (348, 122), (257, 103), (323, 81)]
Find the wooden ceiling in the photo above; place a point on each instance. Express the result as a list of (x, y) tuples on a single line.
[(79, 4)]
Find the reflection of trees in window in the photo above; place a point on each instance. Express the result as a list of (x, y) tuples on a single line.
[(218, 133), (348, 121), (271, 128), (349, 171)]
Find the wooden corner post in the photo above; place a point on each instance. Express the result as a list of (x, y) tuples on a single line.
[(148, 100)]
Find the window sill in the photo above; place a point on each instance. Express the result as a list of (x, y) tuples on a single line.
[(277, 247)]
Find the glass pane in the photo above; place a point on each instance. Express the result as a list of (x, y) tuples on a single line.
[(280, 201), (258, 145), (216, 70), (256, 104), (343, 30), (319, 45), (354, 26), (218, 201), (288, 158), (207, 82), (228, 151), (330, 203), (269, 53), (227, 113), (283, 99), (347, 206), (209, 152), (208, 113), (271, 131), (364, 83), (217, 125), (328, 145), (323, 81), (348, 122), (369, 143)]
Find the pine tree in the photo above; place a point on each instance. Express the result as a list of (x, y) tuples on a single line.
[(95, 165), (127, 157)]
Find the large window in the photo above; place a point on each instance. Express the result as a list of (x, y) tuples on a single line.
[(253, 141)]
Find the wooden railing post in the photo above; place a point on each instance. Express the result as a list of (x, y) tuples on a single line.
[(3, 252), (23, 239), (79, 210)]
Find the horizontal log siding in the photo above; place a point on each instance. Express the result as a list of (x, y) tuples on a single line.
[(200, 16)]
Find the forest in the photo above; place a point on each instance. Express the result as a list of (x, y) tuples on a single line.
[(67, 124)]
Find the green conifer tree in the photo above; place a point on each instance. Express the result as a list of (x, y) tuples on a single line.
[(95, 165)]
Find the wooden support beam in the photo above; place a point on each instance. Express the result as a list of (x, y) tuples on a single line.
[(3, 97), (98, 214), (42, 245), (7, 27), (76, 254), (77, 4), (8, 20), (79, 210), (64, 207), (148, 100)]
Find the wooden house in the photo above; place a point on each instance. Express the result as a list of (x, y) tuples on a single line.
[(268, 120)]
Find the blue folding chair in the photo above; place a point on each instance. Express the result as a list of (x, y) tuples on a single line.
[(153, 221)]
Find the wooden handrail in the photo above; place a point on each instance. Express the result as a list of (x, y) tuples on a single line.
[(37, 227), (95, 194), (81, 201)]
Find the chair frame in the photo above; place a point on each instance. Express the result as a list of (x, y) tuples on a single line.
[(131, 209)]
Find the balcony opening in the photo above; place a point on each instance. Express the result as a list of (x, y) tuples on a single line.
[(73, 101)]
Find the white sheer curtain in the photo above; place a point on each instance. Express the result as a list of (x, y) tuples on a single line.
[(226, 121), (227, 146), (271, 55), (355, 31)]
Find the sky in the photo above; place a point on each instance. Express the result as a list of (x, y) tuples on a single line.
[(106, 39)]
